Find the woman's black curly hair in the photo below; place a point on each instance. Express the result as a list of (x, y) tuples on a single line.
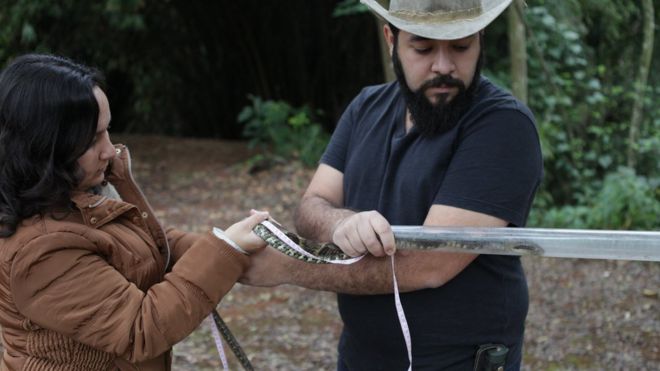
[(48, 119)]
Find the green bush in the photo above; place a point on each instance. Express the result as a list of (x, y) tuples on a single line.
[(283, 132), (625, 201)]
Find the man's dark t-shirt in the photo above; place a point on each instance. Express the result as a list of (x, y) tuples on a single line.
[(490, 162)]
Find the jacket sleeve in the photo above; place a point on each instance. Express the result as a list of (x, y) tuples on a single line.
[(180, 241), (69, 288)]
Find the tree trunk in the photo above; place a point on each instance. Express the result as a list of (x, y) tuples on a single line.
[(517, 50), (640, 83)]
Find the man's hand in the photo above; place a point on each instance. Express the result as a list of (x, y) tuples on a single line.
[(364, 232)]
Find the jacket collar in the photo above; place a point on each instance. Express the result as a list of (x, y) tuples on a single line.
[(98, 209), (105, 204)]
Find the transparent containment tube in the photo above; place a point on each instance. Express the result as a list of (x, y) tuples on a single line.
[(564, 243)]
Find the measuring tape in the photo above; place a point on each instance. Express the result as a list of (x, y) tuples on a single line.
[(397, 299)]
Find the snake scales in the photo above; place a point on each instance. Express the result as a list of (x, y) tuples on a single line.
[(326, 252), (322, 253)]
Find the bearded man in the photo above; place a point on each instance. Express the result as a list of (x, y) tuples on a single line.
[(441, 146)]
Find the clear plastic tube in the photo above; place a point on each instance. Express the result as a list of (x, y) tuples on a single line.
[(565, 243)]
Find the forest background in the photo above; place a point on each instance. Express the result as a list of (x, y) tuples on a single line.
[(281, 72), (278, 74)]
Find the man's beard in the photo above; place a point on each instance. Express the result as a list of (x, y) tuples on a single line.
[(433, 119)]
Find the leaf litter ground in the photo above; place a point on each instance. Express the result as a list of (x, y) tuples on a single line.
[(584, 315)]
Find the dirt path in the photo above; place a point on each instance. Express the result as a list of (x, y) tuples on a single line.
[(195, 184), (584, 315)]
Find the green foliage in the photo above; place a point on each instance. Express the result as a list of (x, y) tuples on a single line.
[(112, 35), (349, 7), (183, 68), (625, 201), (282, 131), (45, 25), (581, 92), (583, 56)]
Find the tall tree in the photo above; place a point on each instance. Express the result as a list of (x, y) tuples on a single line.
[(518, 50), (351, 7), (642, 77)]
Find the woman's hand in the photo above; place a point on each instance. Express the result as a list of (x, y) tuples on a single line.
[(241, 232)]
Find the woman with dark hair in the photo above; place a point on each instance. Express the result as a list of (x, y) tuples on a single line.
[(88, 278)]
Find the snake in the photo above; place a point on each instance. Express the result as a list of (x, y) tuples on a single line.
[(283, 240), (316, 252), (297, 247)]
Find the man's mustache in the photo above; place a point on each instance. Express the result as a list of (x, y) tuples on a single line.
[(442, 80)]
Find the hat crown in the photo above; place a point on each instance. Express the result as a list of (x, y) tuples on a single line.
[(422, 7), (439, 19)]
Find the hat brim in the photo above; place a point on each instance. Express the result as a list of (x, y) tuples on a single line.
[(447, 30)]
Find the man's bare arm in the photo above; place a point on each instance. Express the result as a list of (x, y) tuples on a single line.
[(319, 213), (320, 207), (321, 217)]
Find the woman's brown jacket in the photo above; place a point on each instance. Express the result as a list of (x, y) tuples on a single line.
[(90, 289)]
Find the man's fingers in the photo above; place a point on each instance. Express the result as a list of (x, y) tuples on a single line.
[(341, 236), (346, 246), (383, 231), (365, 232), (369, 238)]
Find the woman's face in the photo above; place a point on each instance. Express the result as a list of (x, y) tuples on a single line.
[(95, 160)]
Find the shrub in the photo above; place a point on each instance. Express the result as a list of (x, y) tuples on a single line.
[(625, 201), (283, 132)]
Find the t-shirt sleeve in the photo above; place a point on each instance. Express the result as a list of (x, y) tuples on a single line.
[(336, 152), (496, 168)]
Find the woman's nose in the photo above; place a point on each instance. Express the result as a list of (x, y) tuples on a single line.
[(108, 150)]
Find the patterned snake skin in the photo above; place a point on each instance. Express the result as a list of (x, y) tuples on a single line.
[(327, 251), (232, 342)]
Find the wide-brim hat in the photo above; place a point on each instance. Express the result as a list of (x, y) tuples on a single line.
[(440, 19)]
